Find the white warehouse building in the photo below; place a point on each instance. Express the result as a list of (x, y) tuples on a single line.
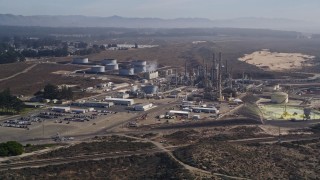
[(61, 109), (119, 101), (151, 75)]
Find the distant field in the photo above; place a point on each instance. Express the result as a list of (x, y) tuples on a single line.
[(7, 70), (32, 81), (175, 51)]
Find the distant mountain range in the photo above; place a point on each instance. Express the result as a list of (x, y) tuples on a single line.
[(117, 21)]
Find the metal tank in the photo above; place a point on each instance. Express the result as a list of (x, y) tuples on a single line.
[(139, 63), (139, 66), (80, 60), (279, 97), (126, 72), (109, 61), (112, 66), (140, 69), (97, 69)]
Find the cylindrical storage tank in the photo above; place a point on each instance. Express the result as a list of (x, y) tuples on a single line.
[(80, 60), (126, 72), (139, 63), (150, 89), (279, 97), (109, 61), (98, 69), (112, 66), (140, 69)]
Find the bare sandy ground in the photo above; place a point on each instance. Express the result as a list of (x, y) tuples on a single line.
[(275, 61)]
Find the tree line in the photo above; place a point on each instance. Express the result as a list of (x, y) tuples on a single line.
[(9, 55), (10, 104), (60, 52), (51, 91)]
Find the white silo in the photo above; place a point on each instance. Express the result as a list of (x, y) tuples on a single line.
[(139, 63), (98, 69), (109, 61), (112, 66), (126, 71), (139, 66), (279, 97), (80, 60)]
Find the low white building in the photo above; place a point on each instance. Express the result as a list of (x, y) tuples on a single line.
[(61, 109), (122, 95), (151, 75), (205, 110), (79, 111), (143, 107), (119, 101), (179, 113)]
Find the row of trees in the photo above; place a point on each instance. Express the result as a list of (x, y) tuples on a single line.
[(11, 148), (9, 55), (95, 49), (61, 52), (53, 92), (10, 104)]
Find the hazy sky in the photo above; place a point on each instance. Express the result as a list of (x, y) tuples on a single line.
[(212, 9)]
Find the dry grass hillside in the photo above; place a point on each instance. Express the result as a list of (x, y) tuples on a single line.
[(296, 160)]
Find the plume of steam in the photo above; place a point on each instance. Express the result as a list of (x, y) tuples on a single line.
[(152, 66)]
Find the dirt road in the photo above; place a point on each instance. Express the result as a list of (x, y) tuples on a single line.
[(22, 72)]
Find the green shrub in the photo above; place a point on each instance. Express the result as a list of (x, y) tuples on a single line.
[(11, 148)]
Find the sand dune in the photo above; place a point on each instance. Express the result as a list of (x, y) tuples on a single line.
[(275, 61)]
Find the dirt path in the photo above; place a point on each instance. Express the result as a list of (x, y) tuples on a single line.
[(200, 173), (197, 171), (22, 72)]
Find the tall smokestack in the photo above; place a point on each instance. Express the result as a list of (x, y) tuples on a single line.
[(214, 71), (185, 69), (176, 76), (227, 73), (206, 75), (220, 76)]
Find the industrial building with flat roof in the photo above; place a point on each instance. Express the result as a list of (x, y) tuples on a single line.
[(61, 109), (119, 101), (204, 109), (94, 104), (179, 113)]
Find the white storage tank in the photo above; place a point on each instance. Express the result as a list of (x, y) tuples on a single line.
[(279, 97), (126, 72), (112, 66), (109, 61), (140, 69), (139, 63), (98, 69), (80, 60)]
